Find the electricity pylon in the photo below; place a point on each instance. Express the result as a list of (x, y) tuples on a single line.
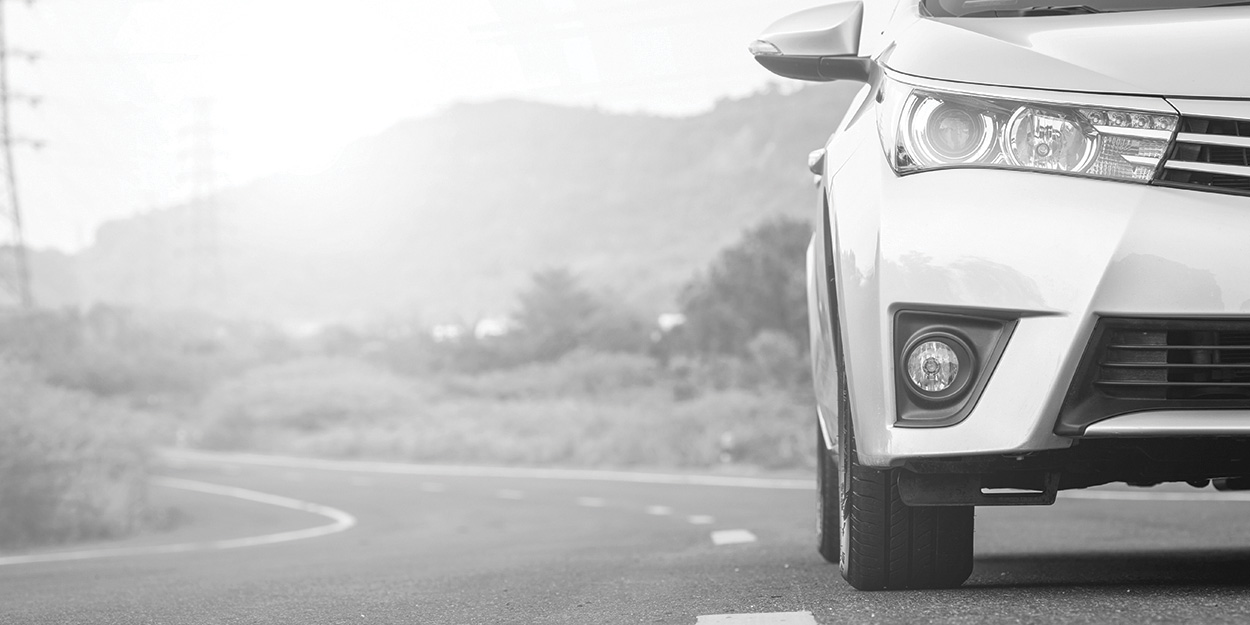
[(16, 272), (205, 280)]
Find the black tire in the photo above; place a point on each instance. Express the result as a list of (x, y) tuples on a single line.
[(827, 525), (891, 545), (880, 542)]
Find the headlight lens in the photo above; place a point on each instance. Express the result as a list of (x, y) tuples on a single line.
[(923, 129), (1041, 139)]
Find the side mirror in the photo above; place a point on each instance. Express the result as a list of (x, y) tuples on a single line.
[(819, 44)]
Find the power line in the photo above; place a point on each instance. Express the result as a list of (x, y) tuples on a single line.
[(205, 280), (17, 279)]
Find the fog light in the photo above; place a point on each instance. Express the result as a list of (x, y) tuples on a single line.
[(933, 366)]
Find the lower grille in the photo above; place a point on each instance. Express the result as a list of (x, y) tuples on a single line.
[(1133, 365), (1176, 364)]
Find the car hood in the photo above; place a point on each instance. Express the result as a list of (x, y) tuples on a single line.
[(1186, 52)]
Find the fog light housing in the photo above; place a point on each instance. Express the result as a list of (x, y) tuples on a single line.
[(943, 362)]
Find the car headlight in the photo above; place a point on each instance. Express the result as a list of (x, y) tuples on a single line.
[(923, 128)]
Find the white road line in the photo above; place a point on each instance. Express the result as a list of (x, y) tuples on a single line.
[(294, 476), (1145, 495), (700, 519), (770, 618), (362, 481), (659, 510), (510, 494), (732, 537), (591, 502), (497, 472), (342, 521), (432, 487)]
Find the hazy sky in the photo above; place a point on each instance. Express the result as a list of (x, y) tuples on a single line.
[(290, 82)]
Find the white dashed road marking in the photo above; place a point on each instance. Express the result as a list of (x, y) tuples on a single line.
[(659, 510), (510, 494), (591, 502), (432, 487), (732, 537), (294, 476), (342, 521), (771, 618), (700, 519), (362, 481)]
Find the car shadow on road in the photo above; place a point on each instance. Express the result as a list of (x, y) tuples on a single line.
[(1201, 567)]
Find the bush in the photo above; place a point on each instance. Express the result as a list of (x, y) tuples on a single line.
[(581, 373), (118, 352), (760, 430), (587, 409), (303, 395), (779, 361), (530, 416), (71, 467), (755, 285)]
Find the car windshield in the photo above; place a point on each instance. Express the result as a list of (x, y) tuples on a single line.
[(1027, 8)]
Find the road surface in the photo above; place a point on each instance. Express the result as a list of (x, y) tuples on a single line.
[(372, 544)]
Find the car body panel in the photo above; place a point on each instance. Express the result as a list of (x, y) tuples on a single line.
[(1128, 52), (1056, 251)]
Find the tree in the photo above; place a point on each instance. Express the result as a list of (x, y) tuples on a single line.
[(756, 284), (551, 312), (556, 315)]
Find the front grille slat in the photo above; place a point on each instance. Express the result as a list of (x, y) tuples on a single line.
[(1209, 154), (1187, 361), (1227, 167), (1154, 347), (1222, 140), (1153, 383), (1135, 365)]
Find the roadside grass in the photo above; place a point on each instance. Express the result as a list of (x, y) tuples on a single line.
[(585, 410), (74, 463), (72, 467), (303, 396)]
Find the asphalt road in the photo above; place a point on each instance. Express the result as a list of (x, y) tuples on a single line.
[(411, 548)]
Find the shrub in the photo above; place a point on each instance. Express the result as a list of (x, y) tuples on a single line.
[(717, 429), (779, 361), (304, 395), (118, 352), (71, 467), (580, 373), (757, 284)]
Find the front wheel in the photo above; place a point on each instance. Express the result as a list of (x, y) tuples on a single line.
[(828, 527), (888, 544)]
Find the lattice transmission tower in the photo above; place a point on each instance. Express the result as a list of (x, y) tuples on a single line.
[(205, 281), (14, 265)]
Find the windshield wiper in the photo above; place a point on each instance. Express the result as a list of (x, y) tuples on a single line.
[(1071, 9)]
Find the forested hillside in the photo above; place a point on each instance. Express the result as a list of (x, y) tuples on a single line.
[(446, 217)]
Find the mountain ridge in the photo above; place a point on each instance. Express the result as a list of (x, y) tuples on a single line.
[(443, 218)]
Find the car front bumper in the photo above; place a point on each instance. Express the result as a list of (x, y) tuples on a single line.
[(1055, 252)]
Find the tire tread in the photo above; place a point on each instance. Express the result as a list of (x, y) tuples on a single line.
[(896, 546)]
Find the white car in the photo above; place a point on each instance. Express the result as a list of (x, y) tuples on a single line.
[(1031, 268)]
